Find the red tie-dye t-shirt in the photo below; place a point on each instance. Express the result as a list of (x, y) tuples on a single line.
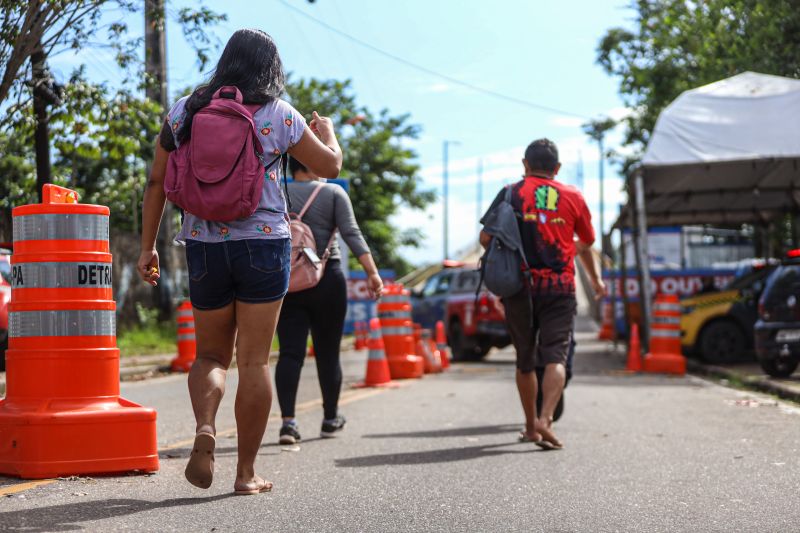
[(552, 214)]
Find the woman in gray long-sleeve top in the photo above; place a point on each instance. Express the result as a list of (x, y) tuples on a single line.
[(320, 309)]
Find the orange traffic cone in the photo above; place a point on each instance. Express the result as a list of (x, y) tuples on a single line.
[(421, 337), (62, 414), (606, 332), (377, 365), (361, 336), (665, 355), (441, 345), (311, 352), (187, 345), (634, 351)]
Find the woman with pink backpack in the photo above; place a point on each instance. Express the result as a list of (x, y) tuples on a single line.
[(317, 299), (218, 157)]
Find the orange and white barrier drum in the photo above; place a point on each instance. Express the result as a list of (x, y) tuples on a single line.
[(665, 355), (62, 414), (394, 312)]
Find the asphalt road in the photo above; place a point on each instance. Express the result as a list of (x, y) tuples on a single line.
[(643, 453)]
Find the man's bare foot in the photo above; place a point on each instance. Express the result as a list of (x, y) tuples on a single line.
[(252, 486), (529, 436), (549, 439)]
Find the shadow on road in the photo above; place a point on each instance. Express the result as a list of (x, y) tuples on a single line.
[(67, 517), (453, 432), (447, 455)]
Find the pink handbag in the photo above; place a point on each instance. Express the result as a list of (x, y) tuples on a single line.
[(305, 272)]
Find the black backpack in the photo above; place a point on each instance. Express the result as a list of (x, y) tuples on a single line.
[(503, 266)]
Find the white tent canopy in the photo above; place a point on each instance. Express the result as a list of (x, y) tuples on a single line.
[(725, 153), (728, 152)]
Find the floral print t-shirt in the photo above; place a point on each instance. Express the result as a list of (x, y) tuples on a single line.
[(279, 127)]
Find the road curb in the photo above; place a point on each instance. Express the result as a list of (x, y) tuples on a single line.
[(760, 384)]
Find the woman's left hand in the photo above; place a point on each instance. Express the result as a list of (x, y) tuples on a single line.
[(375, 285)]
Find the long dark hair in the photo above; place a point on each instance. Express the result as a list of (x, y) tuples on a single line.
[(251, 62)]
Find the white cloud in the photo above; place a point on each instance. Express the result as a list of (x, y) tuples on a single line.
[(437, 88), (564, 121)]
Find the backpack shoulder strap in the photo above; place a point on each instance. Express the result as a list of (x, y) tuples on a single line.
[(508, 194), (310, 200)]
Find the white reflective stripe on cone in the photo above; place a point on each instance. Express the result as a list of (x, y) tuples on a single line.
[(50, 227), (666, 320), (667, 307), (394, 314), (68, 323), (665, 333), (396, 331), (186, 337), (185, 313), (395, 299), (62, 275)]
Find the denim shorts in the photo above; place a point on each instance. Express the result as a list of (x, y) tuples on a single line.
[(249, 270)]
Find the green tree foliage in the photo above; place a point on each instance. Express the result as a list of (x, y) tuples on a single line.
[(103, 139), (55, 26), (676, 45), (379, 165)]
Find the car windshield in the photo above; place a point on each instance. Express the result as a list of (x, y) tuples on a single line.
[(5, 269), (467, 281), (751, 278), (783, 282)]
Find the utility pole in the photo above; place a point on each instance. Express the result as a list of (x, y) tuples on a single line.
[(596, 129), (41, 137), (445, 193), (156, 90), (579, 177)]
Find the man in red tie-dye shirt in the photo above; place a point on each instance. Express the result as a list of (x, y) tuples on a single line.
[(551, 215)]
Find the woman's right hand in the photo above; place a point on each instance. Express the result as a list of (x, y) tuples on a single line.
[(322, 127), (375, 286), (147, 266)]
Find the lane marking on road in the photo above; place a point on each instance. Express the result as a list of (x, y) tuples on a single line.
[(20, 487), (348, 396)]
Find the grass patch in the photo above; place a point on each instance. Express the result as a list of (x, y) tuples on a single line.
[(145, 340)]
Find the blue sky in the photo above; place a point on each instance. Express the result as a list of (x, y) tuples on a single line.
[(537, 51)]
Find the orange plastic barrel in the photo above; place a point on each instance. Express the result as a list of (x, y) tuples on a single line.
[(62, 414), (187, 343), (394, 312), (665, 338)]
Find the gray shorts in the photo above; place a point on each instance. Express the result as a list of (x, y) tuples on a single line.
[(543, 338)]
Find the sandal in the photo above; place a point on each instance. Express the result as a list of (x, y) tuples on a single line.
[(200, 470), (523, 437), (265, 486)]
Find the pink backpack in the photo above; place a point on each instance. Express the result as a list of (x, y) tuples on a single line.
[(218, 174), (306, 268)]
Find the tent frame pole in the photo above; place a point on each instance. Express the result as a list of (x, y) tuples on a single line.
[(643, 263)]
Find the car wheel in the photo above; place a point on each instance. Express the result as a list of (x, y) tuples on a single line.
[(778, 367), (463, 347), (722, 342)]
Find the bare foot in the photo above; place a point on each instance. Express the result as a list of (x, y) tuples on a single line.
[(253, 486), (549, 439), (529, 436)]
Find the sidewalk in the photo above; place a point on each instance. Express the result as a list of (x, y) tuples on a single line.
[(749, 376)]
